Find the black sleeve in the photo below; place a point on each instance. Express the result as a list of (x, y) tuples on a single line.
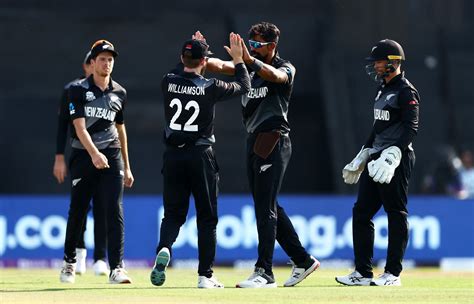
[(75, 102), (290, 70), (119, 117), (63, 123), (409, 102), (223, 90)]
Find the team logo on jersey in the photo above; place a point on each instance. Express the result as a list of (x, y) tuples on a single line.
[(72, 110), (90, 96), (381, 115), (264, 168), (76, 181), (114, 102), (389, 96), (258, 92)]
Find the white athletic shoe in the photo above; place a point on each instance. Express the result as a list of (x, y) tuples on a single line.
[(298, 274), (119, 276), (158, 274), (258, 279), (354, 279), (81, 254), (212, 282), (386, 279), (68, 273), (100, 268)]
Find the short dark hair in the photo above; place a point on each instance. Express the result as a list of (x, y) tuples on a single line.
[(268, 31), (190, 62)]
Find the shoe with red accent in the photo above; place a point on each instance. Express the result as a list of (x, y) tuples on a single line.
[(300, 272)]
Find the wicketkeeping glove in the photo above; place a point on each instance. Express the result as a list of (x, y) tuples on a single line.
[(382, 169), (353, 170)]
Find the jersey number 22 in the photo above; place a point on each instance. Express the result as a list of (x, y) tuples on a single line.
[(188, 126)]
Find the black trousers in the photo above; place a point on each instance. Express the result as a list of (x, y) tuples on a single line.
[(191, 170), (265, 178), (393, 198), (106, 188), (100, 232)]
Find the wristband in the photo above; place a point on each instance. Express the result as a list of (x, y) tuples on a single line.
[(256, 65)]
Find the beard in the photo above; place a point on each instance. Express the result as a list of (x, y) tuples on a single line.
[(103, 74), (258, 56)]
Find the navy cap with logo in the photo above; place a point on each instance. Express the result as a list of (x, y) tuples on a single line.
[(195, 49), (102, 46), (386, 50)]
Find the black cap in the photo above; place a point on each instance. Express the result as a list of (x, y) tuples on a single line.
[(196, 49), (87, 58), (386, 50), (102, 46)]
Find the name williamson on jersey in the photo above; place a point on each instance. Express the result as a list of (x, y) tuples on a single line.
[(179, 89)]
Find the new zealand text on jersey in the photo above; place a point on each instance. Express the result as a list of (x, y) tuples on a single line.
[(100, 113), (174, 88), (257, 92), (381, 115)]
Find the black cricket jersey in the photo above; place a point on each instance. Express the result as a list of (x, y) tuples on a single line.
[(396, 111), (265, 107), (64, 119), (101, 110), (189, 101)]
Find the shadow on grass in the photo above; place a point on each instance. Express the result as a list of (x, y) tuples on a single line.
[(94, 288)]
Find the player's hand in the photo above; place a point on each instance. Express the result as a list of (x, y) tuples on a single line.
[(128, 178), (235, 48), (352, 171), (248, 59), (59, 168), (382, 169), (100, 161), (199, 36)]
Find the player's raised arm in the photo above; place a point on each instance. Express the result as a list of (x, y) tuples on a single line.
[(241, 85), (263, 68), (216, 65)]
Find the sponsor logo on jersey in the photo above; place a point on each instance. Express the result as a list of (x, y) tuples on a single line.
[(90, 96), (381, 115), (72, 110), (179, 89), (258, 92), (100, 113)]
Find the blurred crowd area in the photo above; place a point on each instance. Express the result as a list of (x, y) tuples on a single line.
[(453, 174)]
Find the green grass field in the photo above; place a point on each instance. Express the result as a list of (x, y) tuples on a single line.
[(419, 286)]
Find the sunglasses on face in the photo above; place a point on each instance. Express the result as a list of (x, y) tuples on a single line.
[(257, 44)]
